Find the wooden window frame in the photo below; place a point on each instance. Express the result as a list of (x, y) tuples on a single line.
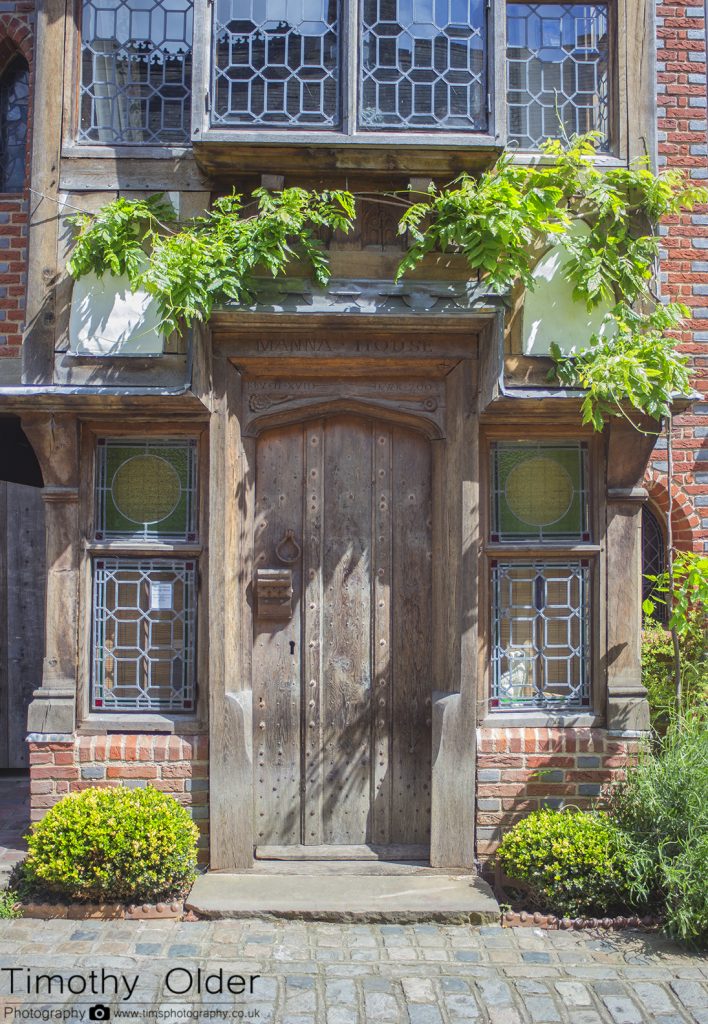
[(633, 47), (179, 722), (528, 551)]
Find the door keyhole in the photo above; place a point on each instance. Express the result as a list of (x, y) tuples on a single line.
[(292, 646)]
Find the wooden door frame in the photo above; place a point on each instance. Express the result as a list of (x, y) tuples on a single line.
[(449, 357)]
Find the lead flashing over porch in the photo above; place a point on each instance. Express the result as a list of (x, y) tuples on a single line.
[(367, 297)]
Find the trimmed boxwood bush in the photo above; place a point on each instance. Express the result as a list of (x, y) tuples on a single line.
[(574, 863), (113, 844)]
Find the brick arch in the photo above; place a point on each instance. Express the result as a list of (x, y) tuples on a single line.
[(15, 38), (684, 520)]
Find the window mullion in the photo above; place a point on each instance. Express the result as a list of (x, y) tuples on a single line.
[(351, 62)]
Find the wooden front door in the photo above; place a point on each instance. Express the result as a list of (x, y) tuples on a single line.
[(342, 688)]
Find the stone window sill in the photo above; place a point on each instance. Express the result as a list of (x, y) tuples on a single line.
[(96, 724), (542, 720)]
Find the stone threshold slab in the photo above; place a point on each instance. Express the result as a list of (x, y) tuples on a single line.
[(345, 896)]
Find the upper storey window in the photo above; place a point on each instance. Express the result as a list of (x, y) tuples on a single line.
[(423, 64), (557, 70), (14, 98), (136, 70), (276, 63), (418, 65)]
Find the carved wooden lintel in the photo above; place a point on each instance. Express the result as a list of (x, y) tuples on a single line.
[(424, 400)]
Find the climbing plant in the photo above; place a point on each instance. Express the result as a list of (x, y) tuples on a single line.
[(500, 221), (211, 259)]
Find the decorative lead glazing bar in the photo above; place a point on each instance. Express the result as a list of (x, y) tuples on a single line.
[(275, 63), (540, 654), (557, 71), (136, 72), (423, 65), (144, 625)]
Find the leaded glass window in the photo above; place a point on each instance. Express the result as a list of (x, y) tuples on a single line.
[(557, 71), (146, 489), (276, 63), (14, 100), (144, 625), (423, 64), (539, 492), (540, 653), (136, 72), (653, 558)]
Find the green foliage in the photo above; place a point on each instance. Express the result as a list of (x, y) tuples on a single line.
[(113, 844), (493, 220), (116, 239), (574, 863), (662, 807), (503, 219), (213, 258), (9, 905), (498, 221), (658, 669), (689, 596), (635, 361)]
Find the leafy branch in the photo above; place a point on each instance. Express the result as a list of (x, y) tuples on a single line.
[(213, 258), (689, 593), (633, 361)]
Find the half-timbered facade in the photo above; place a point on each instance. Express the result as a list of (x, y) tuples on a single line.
[(341, 569)]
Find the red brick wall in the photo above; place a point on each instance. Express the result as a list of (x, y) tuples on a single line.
[(16, 36), (523, 770), (173, 764), (681, 101)]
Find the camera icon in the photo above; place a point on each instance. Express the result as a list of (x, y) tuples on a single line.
[(99, 1012)]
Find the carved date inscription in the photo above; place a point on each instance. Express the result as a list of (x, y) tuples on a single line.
[(313, 346)]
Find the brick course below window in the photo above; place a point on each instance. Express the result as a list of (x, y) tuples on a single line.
[(522, 770), (173, 764)]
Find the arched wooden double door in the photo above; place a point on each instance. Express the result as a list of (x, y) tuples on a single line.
[(342, 687)]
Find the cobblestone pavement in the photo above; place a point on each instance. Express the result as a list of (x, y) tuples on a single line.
[(349, 974)]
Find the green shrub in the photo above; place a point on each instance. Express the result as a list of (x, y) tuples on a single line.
[(113, 844), (573, 862), (662, 806), (9, 905), (658, 669)]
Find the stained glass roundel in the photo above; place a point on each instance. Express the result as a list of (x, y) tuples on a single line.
[(539, 491), (146, 489)]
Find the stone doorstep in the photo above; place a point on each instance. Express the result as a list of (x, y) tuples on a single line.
[(345, 896)]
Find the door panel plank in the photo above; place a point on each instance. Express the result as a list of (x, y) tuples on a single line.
[(312, 632), (411, 600), (382, 665), (346, 653), (276, 663)]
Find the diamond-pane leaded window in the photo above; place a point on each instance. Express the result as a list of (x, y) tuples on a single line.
[(539, 492), (143, 635), (136, 71), (275, 63), (540, 654), (423, 64), (557, 70), (146, 489)]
